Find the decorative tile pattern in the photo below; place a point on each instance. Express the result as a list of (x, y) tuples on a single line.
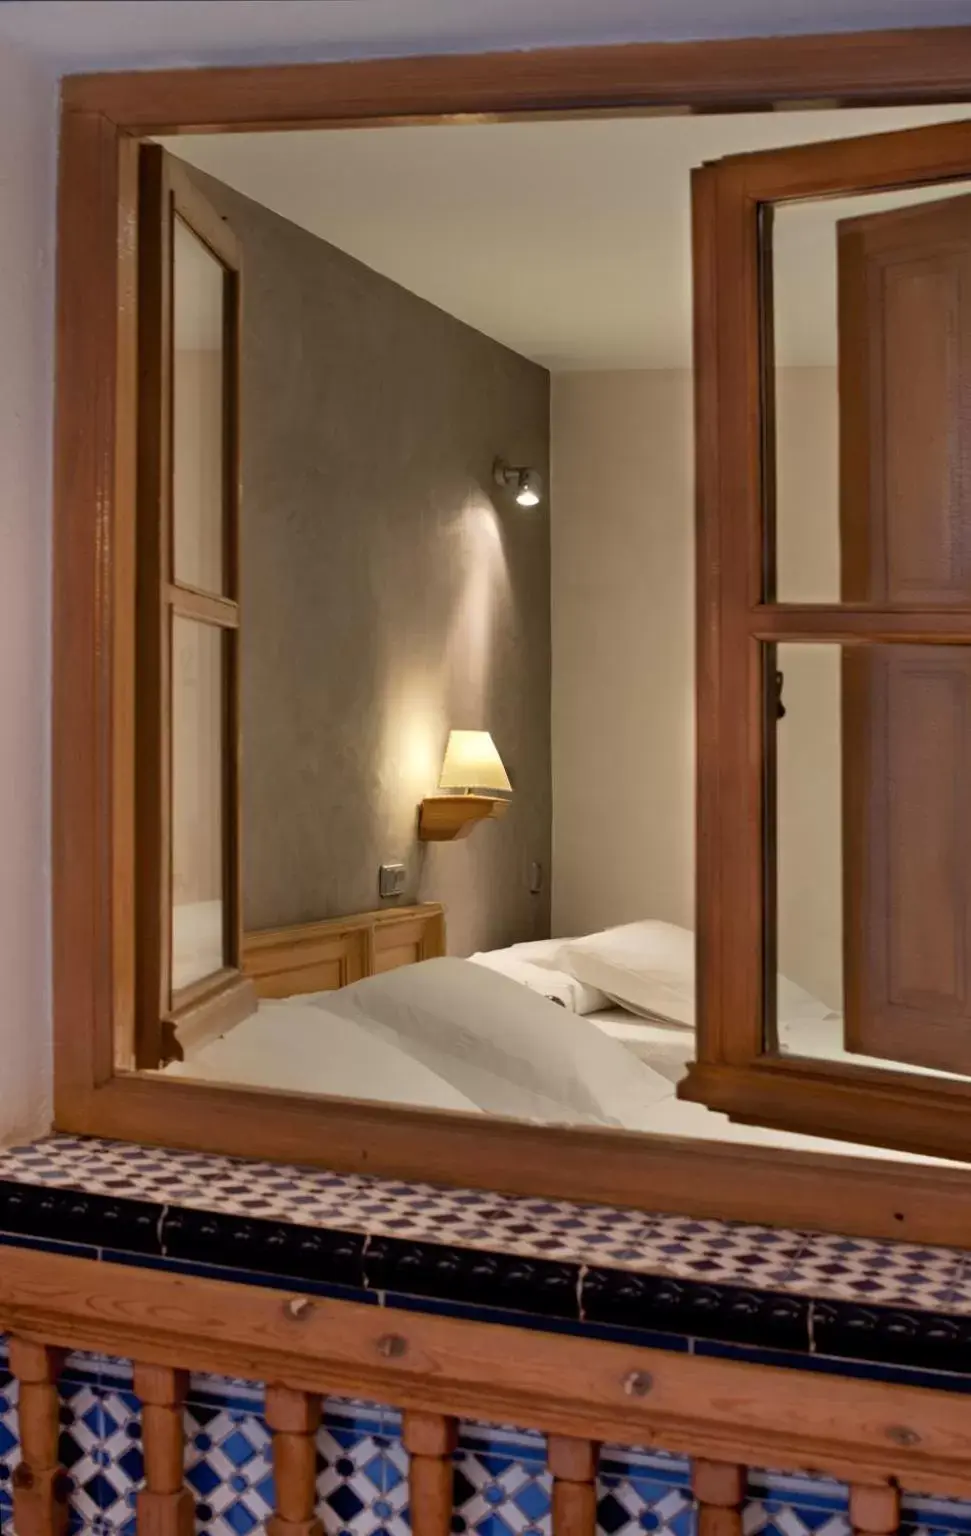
[(501, 1484), (228, 1467), (9, 1454), (689, 1249), (860, 1269), (362, 1479), (779, 1517), (627, 1506), (958, 1299), (396, 1236), (498, 1493)]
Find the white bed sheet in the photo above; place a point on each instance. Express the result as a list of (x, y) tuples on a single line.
[(300, 1046), (292, 1046)]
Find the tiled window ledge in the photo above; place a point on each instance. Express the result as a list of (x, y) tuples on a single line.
[(806, 1300)]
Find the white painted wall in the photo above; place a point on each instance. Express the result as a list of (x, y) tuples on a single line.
[(623, 667), (622, 552), (27, 125)]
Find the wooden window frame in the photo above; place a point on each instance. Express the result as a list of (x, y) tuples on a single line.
[(739, 1068), (94, 864), (221, 999)]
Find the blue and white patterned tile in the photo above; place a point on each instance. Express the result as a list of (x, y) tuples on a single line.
[(498, 1494), (924, 1515), (121, 1459), (80, 1449), (527, 1227), (629, 1505), (714, 1251), (9, 1449), (593, 1235), (228, 1468), (362, 1476), (862, 1269), (787, 1517)]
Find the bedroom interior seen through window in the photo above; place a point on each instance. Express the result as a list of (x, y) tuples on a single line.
[(416, 796)]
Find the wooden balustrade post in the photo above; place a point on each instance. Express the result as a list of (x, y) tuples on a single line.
[(719, 1488), (293, 1419), (165, 1505), (40, 1485), (573, 1465), (430, 1440), (874, 1510)]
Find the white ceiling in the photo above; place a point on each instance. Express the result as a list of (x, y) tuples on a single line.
[(116, 34), (568, 241)]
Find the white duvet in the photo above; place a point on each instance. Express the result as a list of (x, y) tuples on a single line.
[(298, 1045), (444, 1034)]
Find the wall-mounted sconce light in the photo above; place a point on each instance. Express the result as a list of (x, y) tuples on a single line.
[(526, 484), (480, 787)]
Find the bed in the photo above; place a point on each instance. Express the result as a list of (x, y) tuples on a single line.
[(590, 1031)]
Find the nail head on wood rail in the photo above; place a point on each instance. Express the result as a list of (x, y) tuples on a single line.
[(392, 1346), (638, 1383), (298, 1309)]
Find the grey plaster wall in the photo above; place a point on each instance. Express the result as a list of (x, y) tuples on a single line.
[(390, 591)]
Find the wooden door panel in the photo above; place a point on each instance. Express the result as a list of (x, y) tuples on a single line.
[(905, 402), (905, 530), (907, 849)]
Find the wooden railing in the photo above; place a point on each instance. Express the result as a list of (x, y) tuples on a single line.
[(725, 1415)]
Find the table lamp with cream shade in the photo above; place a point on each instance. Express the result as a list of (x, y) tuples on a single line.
[(480, 786)]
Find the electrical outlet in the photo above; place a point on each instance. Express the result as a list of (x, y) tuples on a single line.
[(391, 879)]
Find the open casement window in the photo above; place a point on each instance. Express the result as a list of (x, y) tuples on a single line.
[(893, 628), (188, 917)]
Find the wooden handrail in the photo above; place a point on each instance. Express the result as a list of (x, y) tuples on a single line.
[(724, 1414)]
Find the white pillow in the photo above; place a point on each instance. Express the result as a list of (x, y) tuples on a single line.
[(649, 969), (509, 1051), (559, 986)]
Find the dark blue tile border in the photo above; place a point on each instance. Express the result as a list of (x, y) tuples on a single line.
[(243, 1276), (540, 1287), (835, 1365), (697, 1309), (396, 1301), (255, 1246), (48, 1245), (71, 1216)]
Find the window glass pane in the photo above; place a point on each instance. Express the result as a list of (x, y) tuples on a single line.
[(871, 348), (198, 871), (873, 854), (198, 446)]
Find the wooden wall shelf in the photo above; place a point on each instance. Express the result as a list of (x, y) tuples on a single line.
[(442, 818)]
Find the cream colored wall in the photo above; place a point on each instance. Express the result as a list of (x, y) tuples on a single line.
[(622, 696), (197, 681), (623, 660), (808, 777), (27, 137)]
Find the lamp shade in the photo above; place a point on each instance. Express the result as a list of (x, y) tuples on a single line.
[(472, 762)]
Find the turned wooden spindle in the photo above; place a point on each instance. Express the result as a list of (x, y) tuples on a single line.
[(573, 1465), (430, 1440), (874, 1509), (40, 1485), (165, 1505), (293, 1419), (719, 1489)]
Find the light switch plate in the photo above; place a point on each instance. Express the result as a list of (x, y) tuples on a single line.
[(391, 879)]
